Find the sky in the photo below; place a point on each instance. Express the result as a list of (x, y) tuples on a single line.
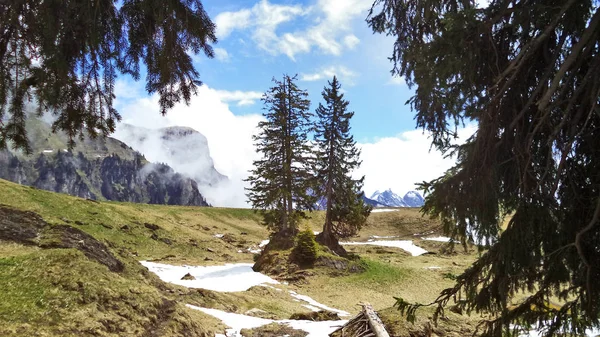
[(315, 39)]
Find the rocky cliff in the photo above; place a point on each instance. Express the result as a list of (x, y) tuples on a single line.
[(97, 169)]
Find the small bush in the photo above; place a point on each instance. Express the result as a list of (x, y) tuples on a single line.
[(305, 251)]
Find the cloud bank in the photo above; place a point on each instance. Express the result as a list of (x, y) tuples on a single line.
[(229, 137), (400, 162), (326, 26)]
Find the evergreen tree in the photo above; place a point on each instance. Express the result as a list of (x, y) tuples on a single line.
[(280, 181), (527, 73), (336, 158), (67, 54)]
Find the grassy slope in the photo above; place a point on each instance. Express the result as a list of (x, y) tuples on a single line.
[(84, 297)]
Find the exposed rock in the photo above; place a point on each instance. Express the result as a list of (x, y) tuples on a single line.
[(63, 236), (273, 330), (317, 316), (255, 312), (103, 170), (19, 226), (188, 276), (30, 229), (106, 226), (229, 238), (338, 264), (151, 226)]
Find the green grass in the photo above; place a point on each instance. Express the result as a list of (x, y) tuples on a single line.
[(377, 274), (61, 292)]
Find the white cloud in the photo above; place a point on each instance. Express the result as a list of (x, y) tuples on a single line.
[(221, 54), (397, 80), (241, 97), (327, 73), (229, 136), (351, 41), (229, 21), (400, 162), (326, 26)]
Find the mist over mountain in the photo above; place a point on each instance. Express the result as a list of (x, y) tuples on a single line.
[(186, 151), (97, 169)]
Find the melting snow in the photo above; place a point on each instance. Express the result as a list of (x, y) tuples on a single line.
[(406, 245), (438, 238), (263, 243), (380, 210), (237, 322), (317, 304), (227, 278), (219, 235), (311, 308)]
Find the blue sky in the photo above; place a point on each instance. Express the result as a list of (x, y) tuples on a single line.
[(249, 56), (262, 39)]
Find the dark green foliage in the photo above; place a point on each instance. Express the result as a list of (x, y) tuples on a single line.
[(280, 181), (336, 158), (306, 249), (526, 72), (67, 54)]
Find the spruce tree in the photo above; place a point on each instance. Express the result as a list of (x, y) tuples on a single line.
[(526, 72), (66, 55), (336, 157), (280, 180)]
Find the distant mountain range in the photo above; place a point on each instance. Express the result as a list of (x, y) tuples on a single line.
[(388, 198)]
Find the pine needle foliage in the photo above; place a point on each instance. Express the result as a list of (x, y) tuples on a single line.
[(526, 72), (280, 180), (336, 158), (66, 56), (306, 250)]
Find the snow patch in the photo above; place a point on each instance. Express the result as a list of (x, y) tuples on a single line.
[(381, 210), (317, 304), (219, 235), (438, 238), (263, 243), (383, 237), (227, 278), (237, 322), (406, 245), (311, 308)]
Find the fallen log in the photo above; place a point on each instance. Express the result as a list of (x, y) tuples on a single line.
[(366, 324)]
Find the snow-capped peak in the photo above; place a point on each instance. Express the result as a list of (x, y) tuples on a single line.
[(390, 199)]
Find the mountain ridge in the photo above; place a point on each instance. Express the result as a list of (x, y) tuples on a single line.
[(96, 169), (388, 198)]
